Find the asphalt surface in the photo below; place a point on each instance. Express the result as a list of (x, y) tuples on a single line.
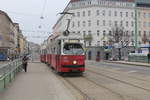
[(39, 83), (123, 67)]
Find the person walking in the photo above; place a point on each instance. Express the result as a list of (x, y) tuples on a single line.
[(148, 57), (25, 63)]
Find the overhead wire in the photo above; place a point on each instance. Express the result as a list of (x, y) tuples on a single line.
[(42, 13), (22, 14)]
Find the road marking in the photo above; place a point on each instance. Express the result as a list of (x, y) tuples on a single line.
[(132, 71)]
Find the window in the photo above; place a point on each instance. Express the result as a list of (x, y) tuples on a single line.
[(139, 33), (139, 23), (97, 12), (104, 22), (109, 14), (132, 14), (103, 12), (132, 32), (149, 24), (145, 24), (90, 43), (89, 2), (84, 23), (126, 14), (110, 33), (78, 14), (132, 41), (83, 13), (84, 33), (98, 22), (144, 15), (89, 22), (78, 23), (115, 13), (127, 33), (104, 33), (104, 43), (98, 43), (98, 32), (139, 14), (121, 23), (74, 15), (116, 23), (127, 24), (121, 14), (145, 33), (73, 24), (110, 23), (132, 24), (89, 13), (89, 32)]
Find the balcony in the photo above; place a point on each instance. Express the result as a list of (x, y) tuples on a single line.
[(88, 37)]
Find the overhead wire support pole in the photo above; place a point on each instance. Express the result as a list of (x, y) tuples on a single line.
[(66, 32), (136, 31)]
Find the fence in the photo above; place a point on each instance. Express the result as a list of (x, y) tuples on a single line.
[(138, 58), (8, 72)]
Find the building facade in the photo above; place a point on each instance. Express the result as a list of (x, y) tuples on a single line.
[(143, 19), (10, 37), (97, 19)]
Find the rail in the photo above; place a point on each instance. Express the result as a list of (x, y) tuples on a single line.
[(8, 72)]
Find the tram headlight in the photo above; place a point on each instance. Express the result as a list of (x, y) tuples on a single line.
[(74, 62)]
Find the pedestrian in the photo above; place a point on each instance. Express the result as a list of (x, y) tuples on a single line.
[(25, 63), (148, 57)]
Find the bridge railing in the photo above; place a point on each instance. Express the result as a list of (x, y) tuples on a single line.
[(8, 72)]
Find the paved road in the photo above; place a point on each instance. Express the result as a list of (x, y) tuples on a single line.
[(123, 67), (39, 83)]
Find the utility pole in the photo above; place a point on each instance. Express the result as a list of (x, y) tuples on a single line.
[(136, 31)]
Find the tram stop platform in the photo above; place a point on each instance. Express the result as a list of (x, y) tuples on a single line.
[(39, 83)]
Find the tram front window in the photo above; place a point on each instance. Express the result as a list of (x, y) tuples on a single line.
[(73, 48)]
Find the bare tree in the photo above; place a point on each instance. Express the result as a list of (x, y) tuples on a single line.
[(119, 36)]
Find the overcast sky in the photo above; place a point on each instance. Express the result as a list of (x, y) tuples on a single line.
[(28, 12)]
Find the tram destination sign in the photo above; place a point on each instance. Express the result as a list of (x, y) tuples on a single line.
[(73, 41)]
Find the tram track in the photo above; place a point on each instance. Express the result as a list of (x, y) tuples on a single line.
[(148, 81), (121, 81), (103, 87), (86, 95)]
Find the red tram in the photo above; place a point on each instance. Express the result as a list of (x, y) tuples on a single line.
[(64, 53)]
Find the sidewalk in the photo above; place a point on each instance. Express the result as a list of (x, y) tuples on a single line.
[(39, 83), (130, 63)]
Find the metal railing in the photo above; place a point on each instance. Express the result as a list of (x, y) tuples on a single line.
[(8, 72)]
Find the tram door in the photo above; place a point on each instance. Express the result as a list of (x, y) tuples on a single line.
[(89, 55), (58, 62)]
